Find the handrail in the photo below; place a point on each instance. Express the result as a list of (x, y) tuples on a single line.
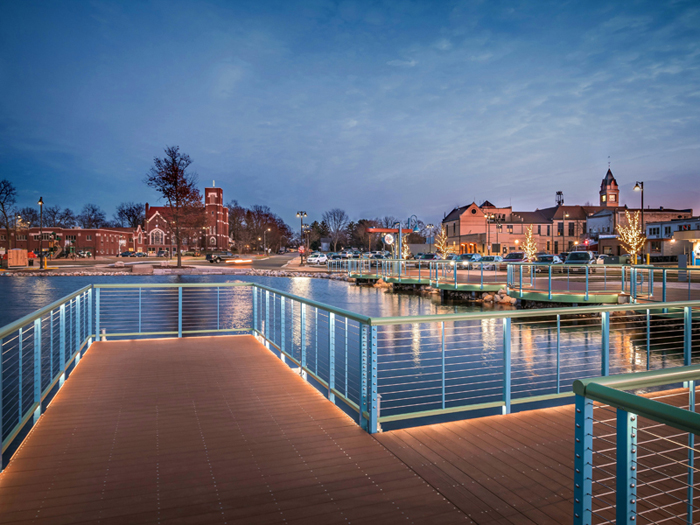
[(19, 323), (636, 380), (513, 314)]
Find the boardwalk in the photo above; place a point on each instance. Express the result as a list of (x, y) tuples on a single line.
[(218, 430)]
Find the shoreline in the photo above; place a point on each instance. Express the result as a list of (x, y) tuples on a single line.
[(178, 271)]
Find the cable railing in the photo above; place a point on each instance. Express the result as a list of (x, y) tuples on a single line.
[(385, 372), (600, 283), (38, 353), (635, 455)]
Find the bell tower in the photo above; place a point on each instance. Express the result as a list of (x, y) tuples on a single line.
[(609, 192)]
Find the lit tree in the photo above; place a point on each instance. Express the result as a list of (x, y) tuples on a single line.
[(442, 247), (405, 249), (631, 236), (8, 198), (530, 246)]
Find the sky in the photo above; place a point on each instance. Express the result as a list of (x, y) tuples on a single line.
[(378, 108)]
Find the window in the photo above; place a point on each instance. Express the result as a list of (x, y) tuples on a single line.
[(603, 198), (509, 228), (667, 231), (560, 229), (571, 246), (572, 226), (2, 238), (612, 198), (21, 237), (70, 237), (548, 231), (156, 237), (655, 246), (556, 246), (548, 245), (454, 228), (539, 229), (88, 237)]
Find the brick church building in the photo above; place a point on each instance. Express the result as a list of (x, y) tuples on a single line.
[(212, 237)]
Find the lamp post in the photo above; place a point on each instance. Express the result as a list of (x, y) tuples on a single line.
[(42, 262), (301, 215), (639, 186), (265, 239), (430, 228)]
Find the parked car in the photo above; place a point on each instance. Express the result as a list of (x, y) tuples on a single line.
[(601, 258), (125, 254), (467, 260), (515, 257), (489, 262), (580, 258), (430, 257), (547, 258), (162, 253), (217, 257), (317, 258), (140, 254), (377, 259)]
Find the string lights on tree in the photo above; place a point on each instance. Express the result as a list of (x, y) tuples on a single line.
[(530, 246), (631, 236)]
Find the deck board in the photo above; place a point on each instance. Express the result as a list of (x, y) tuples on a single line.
[(219, 430)]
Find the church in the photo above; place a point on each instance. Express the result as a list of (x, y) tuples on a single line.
[(211, 237)]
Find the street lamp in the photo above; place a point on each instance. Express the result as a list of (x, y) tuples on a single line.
[(430, 228), (639, 186), (265, 240), (41, 231), (301, 215)]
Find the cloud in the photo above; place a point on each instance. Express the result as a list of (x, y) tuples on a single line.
[(402, 63)]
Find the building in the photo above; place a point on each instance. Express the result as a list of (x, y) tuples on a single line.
[(499, 230), (61, 241), (213, 235), (674, 237)]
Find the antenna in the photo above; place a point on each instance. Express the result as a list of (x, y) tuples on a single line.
[(213, 184), (608, 161)]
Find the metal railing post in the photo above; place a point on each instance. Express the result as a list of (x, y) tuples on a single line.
[(373, 386), (626, 472), (622, 278), (255, 308), (345, 391), (549, 292), (558, 353), (521, 280), (605, 343), (687, 335), (89, 305), (691, 457), (363, 376), (583, 461), (586, 297), (648, 338), (663, 286), (97, 314), (283, 323), (316, 340), (443, 364), (62, 336), (20, 349), (1, 411), (302, 320), (140, 310), (77, 324), (331, 356), (266, 328), (454, 264), (506, 364), (179, 311), (37, 367)]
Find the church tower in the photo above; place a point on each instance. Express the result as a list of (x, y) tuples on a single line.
[(609, 192)]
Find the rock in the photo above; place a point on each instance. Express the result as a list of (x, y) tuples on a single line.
[(487, 298), (142, 269), (381, 283), (623, 299), (502, 291)]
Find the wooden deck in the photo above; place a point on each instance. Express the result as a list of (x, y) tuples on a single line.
[(218, 430)]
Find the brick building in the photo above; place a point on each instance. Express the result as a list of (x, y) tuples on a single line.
[(213, 236), (99, 241)]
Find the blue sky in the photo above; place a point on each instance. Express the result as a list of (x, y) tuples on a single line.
[(380, 108)]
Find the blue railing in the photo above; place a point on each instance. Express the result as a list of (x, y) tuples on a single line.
[(635, 455), (39, 352), (387, 372)]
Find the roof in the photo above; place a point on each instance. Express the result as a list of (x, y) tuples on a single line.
[(529, 217), (455, 214), (608, 181)]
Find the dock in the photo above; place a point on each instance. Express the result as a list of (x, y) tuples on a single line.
[(219, 430)]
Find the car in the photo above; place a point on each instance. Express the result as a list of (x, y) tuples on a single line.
[(377, 259), (217, 257), (489, 262), (515, 257), (317, 258), (600, 259), (547, 258), (162, 253), (125, 254), (580, 258), (430, 257), (335, 257), (140, 254), (467, 260)]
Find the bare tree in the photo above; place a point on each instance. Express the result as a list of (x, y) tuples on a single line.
[(130, 215), (55, 217), (337, 221), (92, 216), (8, 198), (169, 176)]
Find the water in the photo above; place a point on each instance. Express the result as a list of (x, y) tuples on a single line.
[(421, 367), (23, 295)]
